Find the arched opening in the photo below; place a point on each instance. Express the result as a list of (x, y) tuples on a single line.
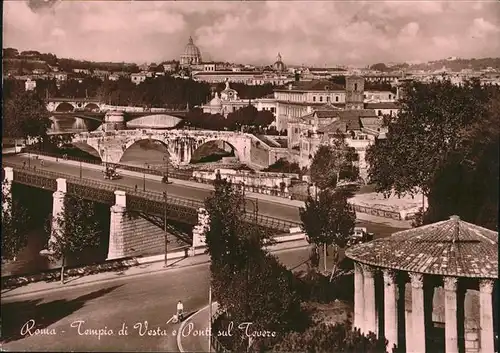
[(147, 153), (91, 107), (215, 151), (65, 107)]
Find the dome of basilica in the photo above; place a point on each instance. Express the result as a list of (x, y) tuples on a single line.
[(279, 65), (191, 55)]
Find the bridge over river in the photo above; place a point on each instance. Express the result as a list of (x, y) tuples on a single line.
[(149, 205)]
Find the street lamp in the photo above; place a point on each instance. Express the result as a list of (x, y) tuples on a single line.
[(81, 170), (144, 176), (165, 196), (165, 160)]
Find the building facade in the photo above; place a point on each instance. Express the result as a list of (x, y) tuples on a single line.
[(302, 97), (229, 102), (360, 128)]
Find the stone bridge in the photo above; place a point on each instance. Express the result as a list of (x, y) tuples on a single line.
[(153, 207), (181, 144), (73, 104)]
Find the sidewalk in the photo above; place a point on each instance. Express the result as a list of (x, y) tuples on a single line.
[(275, 199), (142, 269), (138, 270), (187, 341)]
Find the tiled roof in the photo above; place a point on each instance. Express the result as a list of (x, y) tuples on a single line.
[(314, 85), (451, 248), (371, 123), (382, 105)]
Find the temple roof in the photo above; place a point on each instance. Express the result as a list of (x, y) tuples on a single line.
[(450, 248)]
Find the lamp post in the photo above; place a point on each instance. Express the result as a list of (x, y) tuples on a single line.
[(144, 177), (165, 197), (165, 160), (81, 170), (210, 319)]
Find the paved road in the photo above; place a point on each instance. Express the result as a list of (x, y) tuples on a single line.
[(268, 208), (107, 306)]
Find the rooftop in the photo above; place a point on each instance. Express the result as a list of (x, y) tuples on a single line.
[(314, 85), (451, 248)]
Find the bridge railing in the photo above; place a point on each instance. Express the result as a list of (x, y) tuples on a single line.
[(172, 172), (250, 217), (102, 185)]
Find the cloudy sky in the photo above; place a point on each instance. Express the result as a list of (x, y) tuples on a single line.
[(311, 32)]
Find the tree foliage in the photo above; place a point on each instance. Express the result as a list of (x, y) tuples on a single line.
[(444, 143), (25, 115), (329, 219), (242, 270), (77, 229), (283, 166), (338, 338), (331, 161), (14, 225)]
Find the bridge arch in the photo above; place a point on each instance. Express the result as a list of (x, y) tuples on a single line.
[(157, 150), (91, 107), (219, 143), (90, 149), (64, 107)]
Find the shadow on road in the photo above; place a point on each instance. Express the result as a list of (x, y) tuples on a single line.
[(17, 315)]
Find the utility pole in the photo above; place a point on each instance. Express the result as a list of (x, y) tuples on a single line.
[(165, 196), (210, 319)]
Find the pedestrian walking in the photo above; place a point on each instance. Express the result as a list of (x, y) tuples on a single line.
[(135, 188)]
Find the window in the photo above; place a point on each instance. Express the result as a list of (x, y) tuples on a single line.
[(314, 98), (390, 96), (379, 113), (328, 99), (355, 86), (321, 99), (296, 130), (336, 98)]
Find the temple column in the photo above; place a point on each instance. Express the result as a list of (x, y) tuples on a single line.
[(359, 304), (486, 315), (7, 189), (116, 230), (450, 307), (369, 299), (57, 210), (417, 344), (390, 308)]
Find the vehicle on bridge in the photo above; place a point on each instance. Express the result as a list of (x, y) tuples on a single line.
[(111, 174)]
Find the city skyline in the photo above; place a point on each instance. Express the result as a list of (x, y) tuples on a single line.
[(314, 33)]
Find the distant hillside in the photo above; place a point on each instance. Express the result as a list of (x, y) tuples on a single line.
[(460, 64), (451, 64), (29, 60)]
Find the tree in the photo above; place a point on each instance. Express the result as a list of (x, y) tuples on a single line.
[(14, 225), (77, 229), (242, 270), (26, 116), (244, 116), (338, 338), (230, 241), (444, 143), (328, 219), (330, 161), (283, 166)]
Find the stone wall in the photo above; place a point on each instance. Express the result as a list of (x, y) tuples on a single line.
[(256, 179), (259, 154), (142, 237)]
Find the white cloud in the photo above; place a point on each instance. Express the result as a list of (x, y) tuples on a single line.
[(314, 32), (481, 28)]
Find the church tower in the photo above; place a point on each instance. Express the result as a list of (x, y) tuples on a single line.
[(354, 92)]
